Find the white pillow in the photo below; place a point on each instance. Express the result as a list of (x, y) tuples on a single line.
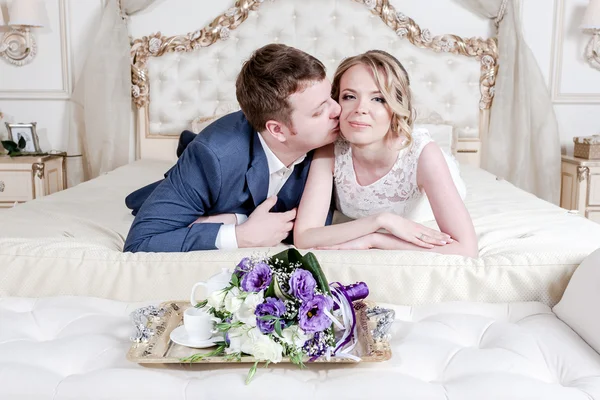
[(442, 134), (578, 307)]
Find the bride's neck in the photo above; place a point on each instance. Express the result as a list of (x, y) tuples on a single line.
[(375, 155)]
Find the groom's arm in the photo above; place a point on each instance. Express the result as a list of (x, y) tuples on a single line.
[(192, 187)]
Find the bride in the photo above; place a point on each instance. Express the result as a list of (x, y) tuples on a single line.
[(384, 174)]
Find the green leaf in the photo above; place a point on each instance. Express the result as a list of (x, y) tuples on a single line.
[(270, 292), (268, 317), (251, 373), (10, 146), (310, 263), (278, 328), (235, 280), (200, 356), (280, 293), (22, 143), (283, 256), (201, 304)]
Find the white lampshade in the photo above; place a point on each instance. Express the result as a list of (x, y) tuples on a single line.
[(591, 18), (1, 17), (28, 12)]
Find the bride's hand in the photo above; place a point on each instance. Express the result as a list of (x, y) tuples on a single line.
[(413, 232)]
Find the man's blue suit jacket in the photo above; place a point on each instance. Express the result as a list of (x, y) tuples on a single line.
[(222, 170)]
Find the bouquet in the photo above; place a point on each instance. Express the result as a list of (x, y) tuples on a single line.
[(282, 306)]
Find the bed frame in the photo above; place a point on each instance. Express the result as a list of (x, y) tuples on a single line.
[(178, 79)]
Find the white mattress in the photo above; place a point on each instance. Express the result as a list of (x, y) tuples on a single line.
[(70, 244), (74, 348)]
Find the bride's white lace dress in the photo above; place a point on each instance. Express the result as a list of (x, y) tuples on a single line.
[(395, 192)]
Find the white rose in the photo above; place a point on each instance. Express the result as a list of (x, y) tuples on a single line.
[(232, 301), (254, 299), (246, 311), (294, 336), (215, 299), (237, 340), (262, 347)]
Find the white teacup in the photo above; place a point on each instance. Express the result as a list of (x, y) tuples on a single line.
[(199, 324)]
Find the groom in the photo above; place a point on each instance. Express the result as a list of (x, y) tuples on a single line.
[(252, 163)]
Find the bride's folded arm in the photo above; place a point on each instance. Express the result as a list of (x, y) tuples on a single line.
[(449, 210), (309, 229)]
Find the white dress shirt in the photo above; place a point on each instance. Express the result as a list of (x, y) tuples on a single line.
[(278, 176)]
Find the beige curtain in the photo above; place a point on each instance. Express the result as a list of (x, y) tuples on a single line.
[(523, 145), (100, 124)]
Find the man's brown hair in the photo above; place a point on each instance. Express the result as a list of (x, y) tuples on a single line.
[(269, 77)]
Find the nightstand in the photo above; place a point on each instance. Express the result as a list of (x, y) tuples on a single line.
[(26, 178), (580, 186)]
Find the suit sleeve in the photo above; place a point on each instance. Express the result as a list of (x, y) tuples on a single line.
[(190, 190)]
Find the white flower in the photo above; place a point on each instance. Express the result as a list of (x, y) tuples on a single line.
[(224, 33), (245, 313), (295, 336), (262, 347), (154, 45), (135, 91), (426, 35), (237, 340), (215, 299), (402, 32), (232, 301), (447, 44), (401, 17)]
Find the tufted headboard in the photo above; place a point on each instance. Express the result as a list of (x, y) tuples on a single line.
[(181, 78)]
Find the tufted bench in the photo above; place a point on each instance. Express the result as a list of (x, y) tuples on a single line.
[(74, 348)]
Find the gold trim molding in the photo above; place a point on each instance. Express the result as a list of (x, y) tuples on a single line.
[(155, 45), (38, 169), (582, 173)]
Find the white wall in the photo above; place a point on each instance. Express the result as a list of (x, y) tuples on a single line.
[(552, 31), (39, 91)]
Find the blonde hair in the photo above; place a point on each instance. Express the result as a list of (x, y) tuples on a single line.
[(392, 81)]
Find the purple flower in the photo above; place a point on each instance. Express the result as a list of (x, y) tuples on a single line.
[(317, 346), (311, 315), (243, 267), (272, 306), (259, 278), (302, 285)]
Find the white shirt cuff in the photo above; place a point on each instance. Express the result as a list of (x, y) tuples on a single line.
[(226, 239), (241, 218)]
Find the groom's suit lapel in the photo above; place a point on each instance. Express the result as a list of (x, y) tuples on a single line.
[(257, 176), (290, 193)]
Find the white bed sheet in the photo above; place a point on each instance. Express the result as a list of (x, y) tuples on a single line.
[(70, 244)]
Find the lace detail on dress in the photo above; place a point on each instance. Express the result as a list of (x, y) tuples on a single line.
[(395, 192)]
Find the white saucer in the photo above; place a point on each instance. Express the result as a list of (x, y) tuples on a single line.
[(180, 336)]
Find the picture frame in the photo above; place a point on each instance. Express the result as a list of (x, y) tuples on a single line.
[(28, 131)]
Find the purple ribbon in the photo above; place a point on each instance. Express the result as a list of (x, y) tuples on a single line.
[(356, 291), (351, 293)]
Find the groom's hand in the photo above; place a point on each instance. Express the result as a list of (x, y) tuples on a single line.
[(264, 228)]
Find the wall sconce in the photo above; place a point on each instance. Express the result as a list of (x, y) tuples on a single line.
[(18, 45), (591, 24)]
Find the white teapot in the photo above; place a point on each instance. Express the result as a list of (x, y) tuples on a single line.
[(216, 282)]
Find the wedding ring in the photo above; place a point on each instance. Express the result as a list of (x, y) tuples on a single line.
[(422, 236)]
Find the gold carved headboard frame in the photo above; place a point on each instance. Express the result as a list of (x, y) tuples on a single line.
[(484, 50)]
